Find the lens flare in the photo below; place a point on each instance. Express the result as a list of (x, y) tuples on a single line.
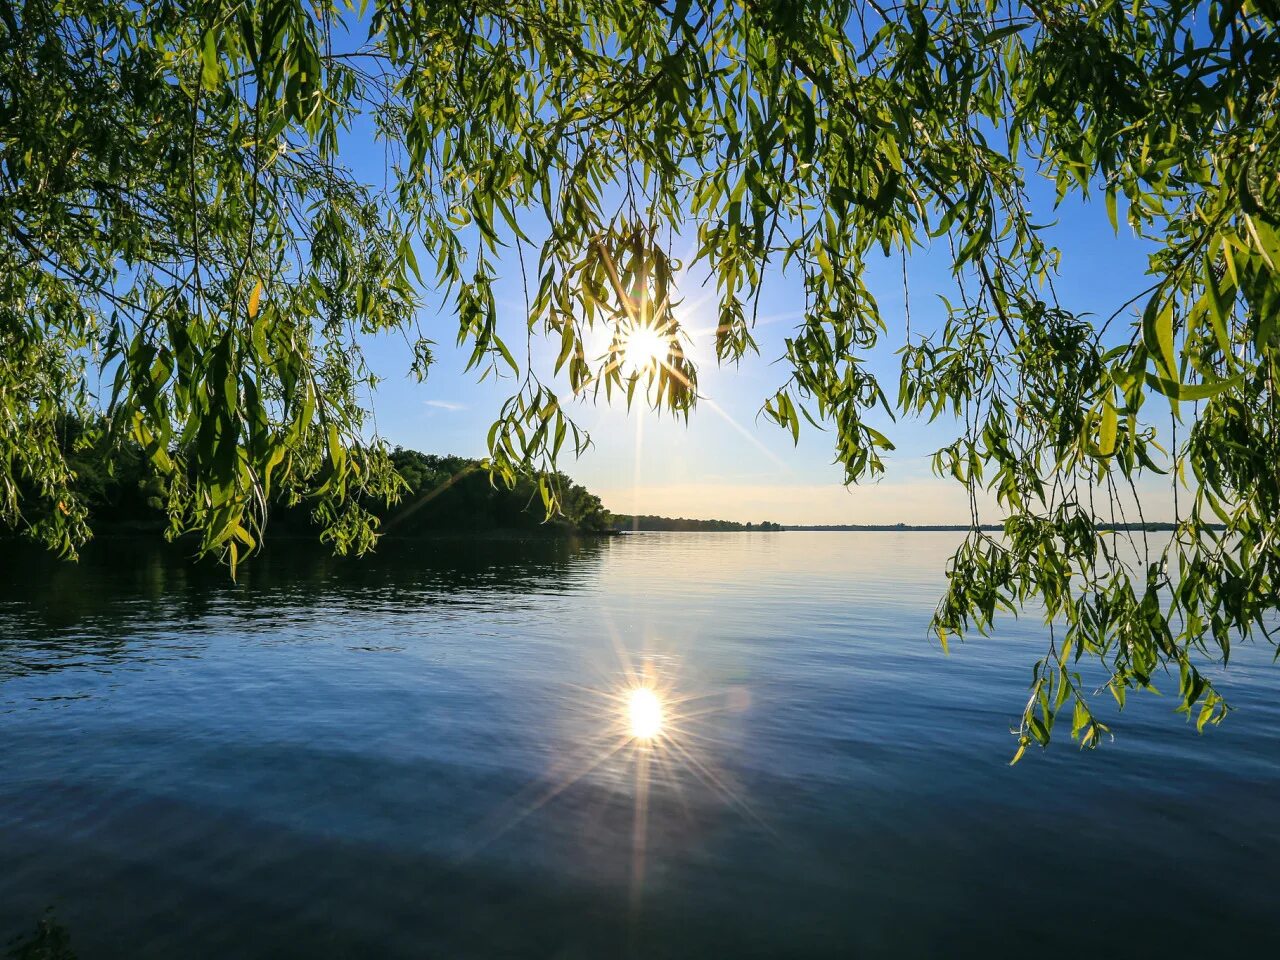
[(644, 347), (644, 713)]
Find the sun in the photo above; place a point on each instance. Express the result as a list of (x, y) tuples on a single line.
[(644, 713), (644, 347)]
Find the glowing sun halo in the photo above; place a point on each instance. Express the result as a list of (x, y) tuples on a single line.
[(644, 713), (644, 347)]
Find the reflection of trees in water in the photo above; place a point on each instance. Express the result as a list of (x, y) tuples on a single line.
[(49, 941), (130, 599)]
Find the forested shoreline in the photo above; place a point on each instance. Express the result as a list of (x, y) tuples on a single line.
[(442, 494), (650, 522)]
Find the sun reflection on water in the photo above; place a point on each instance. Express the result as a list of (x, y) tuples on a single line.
[(644, 713), (641, 732)]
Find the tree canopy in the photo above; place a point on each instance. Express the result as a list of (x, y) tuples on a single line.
[(183, 249)]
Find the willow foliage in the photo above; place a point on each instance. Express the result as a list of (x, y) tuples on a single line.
[(182, 247)]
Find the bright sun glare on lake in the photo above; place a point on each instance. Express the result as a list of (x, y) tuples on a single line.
[(644, 713)]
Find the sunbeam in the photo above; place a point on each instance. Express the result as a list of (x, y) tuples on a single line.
[(756, 441)]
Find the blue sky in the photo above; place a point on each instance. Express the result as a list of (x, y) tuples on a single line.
[(727, 462)]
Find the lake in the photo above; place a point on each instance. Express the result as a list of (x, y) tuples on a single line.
[(424, 754)]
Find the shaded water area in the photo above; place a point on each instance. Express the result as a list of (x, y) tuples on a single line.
[(410, 756)]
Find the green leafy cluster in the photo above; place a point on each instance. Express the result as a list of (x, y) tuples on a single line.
[(175, 220), (179, 247)]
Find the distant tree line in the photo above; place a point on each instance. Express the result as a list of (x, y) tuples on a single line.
[(650, 522), (447, 493), (1151, 527), (439, 494)]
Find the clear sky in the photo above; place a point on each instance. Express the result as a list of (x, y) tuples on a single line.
[(727, 462)]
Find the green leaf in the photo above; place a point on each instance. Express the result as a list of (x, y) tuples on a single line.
[(210, 68), (1107, 427), (1197, 391), (254, 299), (1157, 334), (1267, 243)]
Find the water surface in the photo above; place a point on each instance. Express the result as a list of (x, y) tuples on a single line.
[(409, 756)]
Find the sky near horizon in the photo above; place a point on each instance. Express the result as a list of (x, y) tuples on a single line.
[(728, 462)]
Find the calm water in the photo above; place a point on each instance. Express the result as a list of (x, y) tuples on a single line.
[(408, 756)]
